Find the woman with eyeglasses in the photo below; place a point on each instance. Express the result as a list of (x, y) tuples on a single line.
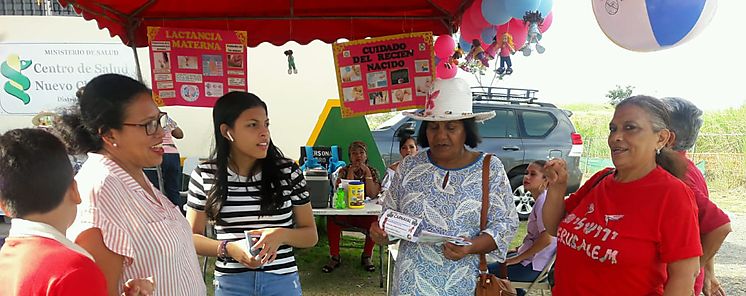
[(131, 229)]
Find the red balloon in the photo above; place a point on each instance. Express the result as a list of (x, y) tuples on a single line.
[(517, 29), (469, 32), (443, 72), (476, 15), (547, 22), (444, 46)]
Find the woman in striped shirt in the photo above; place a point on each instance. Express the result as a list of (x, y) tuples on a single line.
[(131, 229), (248, 185)]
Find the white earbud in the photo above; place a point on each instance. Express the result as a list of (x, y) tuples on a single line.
[(230, 137)]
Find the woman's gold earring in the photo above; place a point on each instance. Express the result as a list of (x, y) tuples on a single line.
[(115, 145)]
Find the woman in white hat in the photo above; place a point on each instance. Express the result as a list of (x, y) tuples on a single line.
[(442, 186)]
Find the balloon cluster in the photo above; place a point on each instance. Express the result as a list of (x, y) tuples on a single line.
[(486, 19), (485, 22)]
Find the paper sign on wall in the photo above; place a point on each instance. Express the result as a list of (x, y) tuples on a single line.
[(193, 67), (384, 74)]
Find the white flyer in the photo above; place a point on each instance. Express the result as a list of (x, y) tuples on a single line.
[(399, 225), (433, 238)]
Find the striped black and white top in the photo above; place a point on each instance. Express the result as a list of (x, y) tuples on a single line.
[(241, 211)]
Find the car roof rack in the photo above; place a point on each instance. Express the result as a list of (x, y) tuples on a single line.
[(515, 96)]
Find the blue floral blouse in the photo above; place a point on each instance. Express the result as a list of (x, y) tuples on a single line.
[(417, 190)]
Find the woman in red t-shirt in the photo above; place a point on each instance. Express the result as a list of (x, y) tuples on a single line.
[(629, 231), (714, 224)]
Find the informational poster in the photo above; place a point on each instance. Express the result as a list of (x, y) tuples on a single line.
[(384, 74), (38, 77), (194, 67)]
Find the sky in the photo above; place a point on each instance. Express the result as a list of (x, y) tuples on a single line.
[(581, 64)]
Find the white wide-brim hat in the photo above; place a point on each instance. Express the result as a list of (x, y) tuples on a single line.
[(449, 99)]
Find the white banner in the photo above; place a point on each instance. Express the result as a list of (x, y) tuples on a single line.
[(38, 77)]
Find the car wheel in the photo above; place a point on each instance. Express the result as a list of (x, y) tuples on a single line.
[(524, 202)]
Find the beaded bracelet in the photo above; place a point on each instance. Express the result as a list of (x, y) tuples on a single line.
[(223, 250)]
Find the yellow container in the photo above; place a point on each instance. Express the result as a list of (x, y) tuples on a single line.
[(356, 195)]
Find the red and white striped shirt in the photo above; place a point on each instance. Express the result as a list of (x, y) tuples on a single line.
[(154, 238)]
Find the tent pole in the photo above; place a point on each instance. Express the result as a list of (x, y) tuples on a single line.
[(131, 27), (137, 62)]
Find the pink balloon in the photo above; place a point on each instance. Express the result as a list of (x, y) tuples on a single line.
[(476, 15), (444, 46), (517, 29), (547, 22), (443, 72)]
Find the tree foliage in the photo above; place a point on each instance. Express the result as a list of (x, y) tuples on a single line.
[(619, 93)]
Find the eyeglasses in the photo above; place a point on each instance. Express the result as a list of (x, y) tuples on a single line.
[(151, 127)]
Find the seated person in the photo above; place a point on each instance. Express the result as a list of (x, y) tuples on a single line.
[(358, 169), (37, 189), (407, 147), (538, 246)]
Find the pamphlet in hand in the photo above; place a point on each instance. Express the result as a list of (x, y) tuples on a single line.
[(433, 238), (399, 225)]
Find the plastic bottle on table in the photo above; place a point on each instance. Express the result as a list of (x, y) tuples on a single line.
[(339, 200)]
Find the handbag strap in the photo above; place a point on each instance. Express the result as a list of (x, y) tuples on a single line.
[(606, 173), (503, 272)]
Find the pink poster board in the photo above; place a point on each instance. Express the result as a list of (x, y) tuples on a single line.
[(384, 74), (194, 67)]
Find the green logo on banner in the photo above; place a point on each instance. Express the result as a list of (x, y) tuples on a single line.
[(17, 84)]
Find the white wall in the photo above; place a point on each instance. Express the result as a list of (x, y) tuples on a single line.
[(294, 101)]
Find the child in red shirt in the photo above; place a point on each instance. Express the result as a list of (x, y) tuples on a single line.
[(37, 189)]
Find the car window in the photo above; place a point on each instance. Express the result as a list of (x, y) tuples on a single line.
[(504, 125), (537, 124)]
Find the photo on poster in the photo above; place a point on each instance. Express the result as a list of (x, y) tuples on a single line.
[(354, 93), (378, 97), (213, 89), (421, 66), (187, 62), (235, 61), (401, 95), (189, 93), (161, 62), (400, 76), (422, 85), (351, 73), (212, 65), (376, 79)]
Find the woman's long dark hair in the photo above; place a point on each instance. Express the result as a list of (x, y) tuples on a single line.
[(226, 111), (660, 118)]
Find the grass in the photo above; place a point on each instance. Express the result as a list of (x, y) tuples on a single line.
[(349, 278)]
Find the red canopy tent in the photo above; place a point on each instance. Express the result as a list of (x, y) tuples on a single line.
[(275, 21)]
